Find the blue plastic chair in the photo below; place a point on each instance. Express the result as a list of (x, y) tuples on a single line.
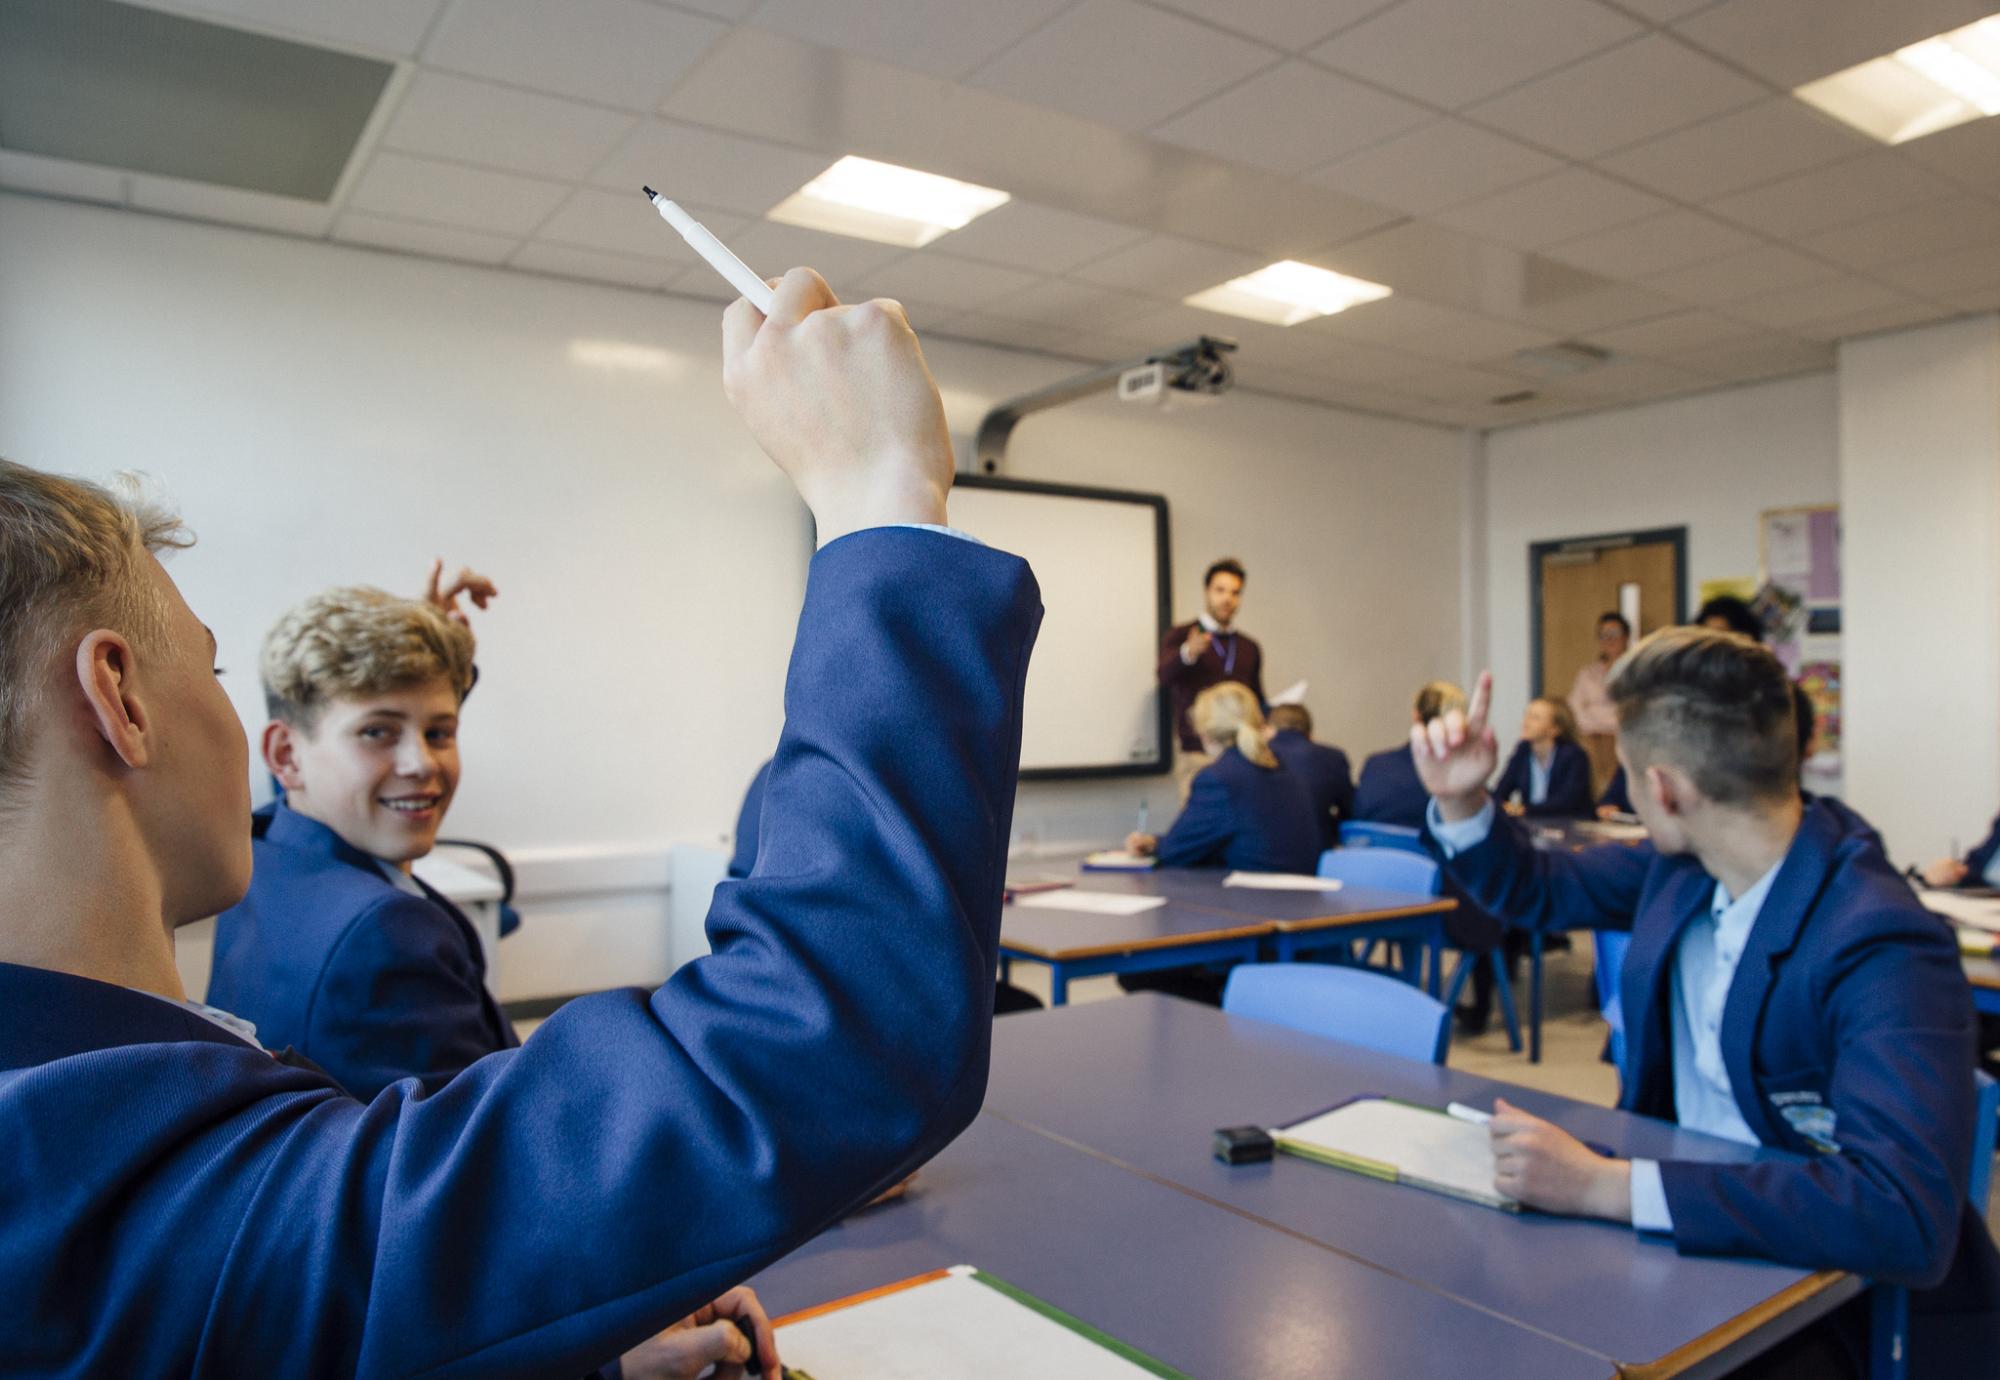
[(1611, 946), (1352, 1005), (1391, 869), (1889, 1305), (1361, 833)]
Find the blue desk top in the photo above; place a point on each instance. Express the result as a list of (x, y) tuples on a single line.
[(1203, 887), (1194, 1284), (1146, 1079)]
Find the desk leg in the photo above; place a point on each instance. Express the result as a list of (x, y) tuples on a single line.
[(1535, 997), (1437, 958), (1058, 984), (1006, 968), (1283, 950), (1888, 1326)]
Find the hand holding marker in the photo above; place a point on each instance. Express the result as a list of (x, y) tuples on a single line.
[(753, 288)]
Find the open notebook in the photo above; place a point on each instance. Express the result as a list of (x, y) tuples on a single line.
[(1403, 1143), (962, 1323)]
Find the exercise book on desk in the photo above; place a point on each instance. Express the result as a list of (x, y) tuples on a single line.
[(1281, 881), (1118, 860), (962, 1323), (1403, 1143), (1974, 912), (1091, 902)]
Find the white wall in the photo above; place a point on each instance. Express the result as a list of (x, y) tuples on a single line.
[(1920, 474), (327, 414), (1710, 462)]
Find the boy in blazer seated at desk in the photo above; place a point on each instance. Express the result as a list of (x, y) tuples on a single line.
[(1783, 988), (340, 951), (174, 1201), (1324, 769)]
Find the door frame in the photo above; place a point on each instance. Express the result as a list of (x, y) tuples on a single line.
[(1677, 537)]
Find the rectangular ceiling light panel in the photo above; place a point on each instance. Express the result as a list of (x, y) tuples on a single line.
[(867, 200), (1287, 293), (1928, 86)]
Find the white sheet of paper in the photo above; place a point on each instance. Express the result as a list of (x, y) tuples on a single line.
[(1280, 881), (1979, 912), (955, 1327), (1440, 1150), (1095, 902)]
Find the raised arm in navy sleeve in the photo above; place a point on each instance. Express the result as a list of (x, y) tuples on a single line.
[(1518, 885), (195, 1209)]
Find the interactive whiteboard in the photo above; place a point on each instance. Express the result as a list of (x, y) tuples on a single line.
[(1094, 704)]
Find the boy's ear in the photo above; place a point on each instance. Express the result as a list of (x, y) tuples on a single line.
[(281, 754), (1670, 789), (104, 676)]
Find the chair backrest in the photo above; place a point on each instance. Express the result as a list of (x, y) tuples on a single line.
[(1361, 833), (1352, 1005), (1611, 946), (1982, 1142), (1388, 868)]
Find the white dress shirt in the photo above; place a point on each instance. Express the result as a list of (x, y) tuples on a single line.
[(1538, 776), (1704, 967), (235, 1025), (1992, 874)]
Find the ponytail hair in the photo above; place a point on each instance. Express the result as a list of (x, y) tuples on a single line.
[(1227, 715)]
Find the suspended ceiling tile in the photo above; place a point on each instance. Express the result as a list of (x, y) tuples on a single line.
[(1073, 305), (1453, 384), (1935, 227), (1293, 117), (943, 38), (1947, 278), (395, 184), (1839, 194), (1043, 239), (1288, 24), (1166, 266), (770, 249), (1451, 53), (561, 261), (445, 116), (27, 172), (1436, 333), (1589, 309), (1791, 307), (1664, 11), (1626, 379), (231, 206), (699, 165), (1894, 317), (1762, 357), (1790, 42), (1561, 206), (390, 27), (432, 241), (1669, 335), (1731, 279), (1635, 91), (1671, 239), (1016, 335), (627, 224), (1968, 154), (932, 276), (1444, 163), (1762, 143), (624, 53), (1122, 64)]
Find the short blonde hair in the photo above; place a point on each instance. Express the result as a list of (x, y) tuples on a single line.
[(359, 641), (70, 554), (1438, 699), (1228, 713)]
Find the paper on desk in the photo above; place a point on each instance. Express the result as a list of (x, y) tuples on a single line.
[(1295, 693), (966, 1325), (1610, 830), (1980, 912), (1419, 1146), (1976, 943), (1280, 881), (1095, 902)]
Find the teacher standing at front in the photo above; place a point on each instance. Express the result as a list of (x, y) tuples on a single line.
[(1205, 652)]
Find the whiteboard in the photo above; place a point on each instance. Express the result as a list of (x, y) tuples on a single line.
[(1094, 704)]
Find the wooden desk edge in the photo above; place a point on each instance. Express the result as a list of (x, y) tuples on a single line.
[(1440, 906), (1250, 929), (1688, 1358)]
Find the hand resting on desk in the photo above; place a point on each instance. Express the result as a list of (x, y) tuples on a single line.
[(1543, 1166), (709, 1337)]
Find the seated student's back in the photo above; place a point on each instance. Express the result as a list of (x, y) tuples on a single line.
[(339, 951), (1323, 769), (1389, 791), (1245, 811)]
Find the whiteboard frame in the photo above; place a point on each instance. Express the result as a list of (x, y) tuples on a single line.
[(1163, 761)]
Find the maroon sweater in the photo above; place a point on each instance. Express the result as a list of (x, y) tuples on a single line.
[(1213, 667)]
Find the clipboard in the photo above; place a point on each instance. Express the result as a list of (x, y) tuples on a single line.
[(961, 1322), (1401, 1143)]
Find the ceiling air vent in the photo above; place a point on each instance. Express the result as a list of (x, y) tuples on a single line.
[(126, 87), (1564, 357), (1509, 399)]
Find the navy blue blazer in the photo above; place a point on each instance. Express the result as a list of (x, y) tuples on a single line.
[(1329, 780), (327, 955), (1980, 858), (1390, 791), (1244, 817), (748, 820), (1569, 781), (1849, 1001), (174, 1202), (1616, 795)]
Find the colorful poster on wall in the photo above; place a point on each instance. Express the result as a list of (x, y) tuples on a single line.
[(1798, 601)]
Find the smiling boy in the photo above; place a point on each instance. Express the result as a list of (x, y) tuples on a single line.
[(339, 951)]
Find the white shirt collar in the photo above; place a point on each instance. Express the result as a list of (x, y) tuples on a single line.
[(1733, 918), (398, 878), (1209, 624), (235, 1025)]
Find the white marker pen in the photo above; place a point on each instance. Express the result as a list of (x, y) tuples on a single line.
[(715, 251)]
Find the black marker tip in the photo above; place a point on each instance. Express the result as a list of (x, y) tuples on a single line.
[(650, 193)]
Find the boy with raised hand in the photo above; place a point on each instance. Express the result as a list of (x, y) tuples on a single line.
[(339, 951), (173, 1201), (1783, 988)]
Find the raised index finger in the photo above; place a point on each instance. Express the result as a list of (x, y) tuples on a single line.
[(1482, 701)]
